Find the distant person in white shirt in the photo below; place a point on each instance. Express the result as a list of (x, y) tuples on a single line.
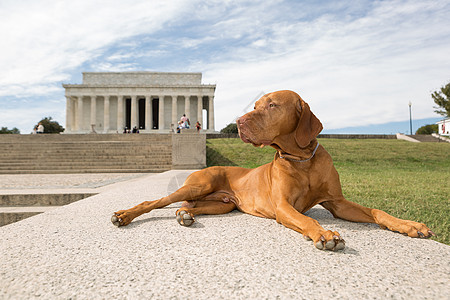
[(185, 120), (40, 128)]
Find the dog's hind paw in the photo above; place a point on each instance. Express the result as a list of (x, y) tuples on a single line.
[(335, 244), (185, 218), (121, 218), (116, 220)]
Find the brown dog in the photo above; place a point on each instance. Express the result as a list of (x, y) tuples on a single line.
[(300, 176)]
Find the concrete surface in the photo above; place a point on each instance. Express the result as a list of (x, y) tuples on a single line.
[(25, 195), (401, 136), (74, 252)]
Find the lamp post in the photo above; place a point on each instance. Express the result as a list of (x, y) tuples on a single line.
[(410, 118)]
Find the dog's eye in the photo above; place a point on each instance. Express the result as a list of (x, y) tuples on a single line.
[(271, 105)]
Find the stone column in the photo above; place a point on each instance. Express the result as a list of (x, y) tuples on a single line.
[(93, 112), (148, 113), (161, 113), (120, 113), (174, 112), (80, 114), (187, 106), (200, 110), (134, 121), (211, 113), (106, 114), (68, 114), (73, 114)]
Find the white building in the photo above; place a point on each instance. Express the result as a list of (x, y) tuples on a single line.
[(151, 101), (444, 127)]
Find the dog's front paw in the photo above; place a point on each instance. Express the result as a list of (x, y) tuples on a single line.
[(185, 218), (121, 218), (411, 229), (328, 240)]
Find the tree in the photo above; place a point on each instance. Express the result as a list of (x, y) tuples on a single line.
[(5, 130), (427, 129), (51, 126), (230, 128), (442, 100)]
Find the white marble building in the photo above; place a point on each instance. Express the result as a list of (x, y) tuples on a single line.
[(152, 101)]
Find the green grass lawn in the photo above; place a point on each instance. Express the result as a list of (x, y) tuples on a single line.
[(408, 180)]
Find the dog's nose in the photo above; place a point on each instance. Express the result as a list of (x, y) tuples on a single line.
[(240, 121)]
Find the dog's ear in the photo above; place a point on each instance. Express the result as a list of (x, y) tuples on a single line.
[(308, 127)]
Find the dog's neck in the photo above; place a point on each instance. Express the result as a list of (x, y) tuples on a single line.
[(294, 153)]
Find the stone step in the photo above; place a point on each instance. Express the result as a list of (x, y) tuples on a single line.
[(85, 164), (94, 144), (137, 167), (82, 169), (91, 152), (69, 149), (28, 138), (155, 169), (82, 161), (425, 138), (87, 158), (61, 140), (105, 153), (74, 151), (81, 144), (66, 148), (17, 215), (56, 199)]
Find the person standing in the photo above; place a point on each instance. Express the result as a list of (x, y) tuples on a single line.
[(198, 126), (40, 128)]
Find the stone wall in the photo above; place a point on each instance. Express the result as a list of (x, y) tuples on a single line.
[(357, 136), (324, 136), (188, 151), (101, 153), (142, 78)]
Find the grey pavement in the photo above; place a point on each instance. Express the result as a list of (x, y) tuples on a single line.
[(61, 181), (74, 252)]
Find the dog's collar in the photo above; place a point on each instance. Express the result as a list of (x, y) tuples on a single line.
[(300, 160)]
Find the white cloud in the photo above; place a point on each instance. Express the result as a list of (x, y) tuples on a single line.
[(355, 63), (360, 72), (46, 39)]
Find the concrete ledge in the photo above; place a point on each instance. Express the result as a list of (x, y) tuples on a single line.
[(358, 136), (9, 217), (41, 199), (401, 136), (188, 151), (75, 252), (325, 136), (442, 138), (13, 214)]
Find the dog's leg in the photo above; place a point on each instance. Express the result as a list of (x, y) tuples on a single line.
[(185, 214), (323, 239), (217, 203), (354, 212), (185, 193)]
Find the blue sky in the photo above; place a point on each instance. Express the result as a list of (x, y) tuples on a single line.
[(357, 63)]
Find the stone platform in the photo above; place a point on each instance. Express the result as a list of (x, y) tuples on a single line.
[(101, 153), (74, 252), (26, 195)]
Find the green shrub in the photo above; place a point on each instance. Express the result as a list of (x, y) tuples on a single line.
[(230, 128), (428, 129)]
